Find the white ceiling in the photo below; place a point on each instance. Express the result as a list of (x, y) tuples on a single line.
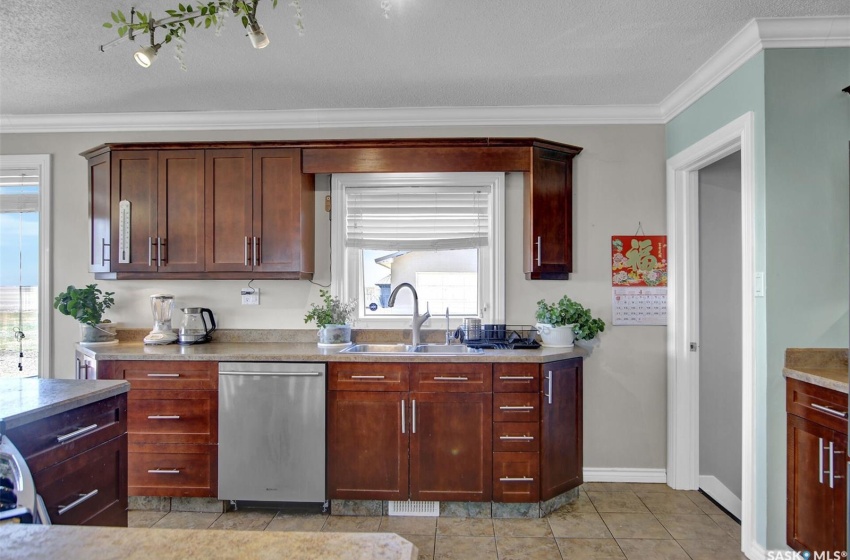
[(429, 53)]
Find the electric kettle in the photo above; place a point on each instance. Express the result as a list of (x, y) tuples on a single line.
[(194, 329)]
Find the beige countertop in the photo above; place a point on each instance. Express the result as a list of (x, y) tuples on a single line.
[(105, 543), (29, 399), (825, 367)]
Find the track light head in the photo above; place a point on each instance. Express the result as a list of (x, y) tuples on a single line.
[(258, 37), (146, 55)]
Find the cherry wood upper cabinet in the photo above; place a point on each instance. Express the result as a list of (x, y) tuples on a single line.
[(229, 208), (100, 234), (180, 211)]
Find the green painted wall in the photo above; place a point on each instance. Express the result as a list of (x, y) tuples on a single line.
[(807, 135)]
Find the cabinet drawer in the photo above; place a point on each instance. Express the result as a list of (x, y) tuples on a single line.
[(368, 377), (516, 378), (83, 487), (160, 416), (516, 407), (173, 470), (451, 378), (516, 477), (823, 406), (516, 436), (163, 374), (54, 439)]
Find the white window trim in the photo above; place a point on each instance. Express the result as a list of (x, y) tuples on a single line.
[(45, 287), (342, 266)]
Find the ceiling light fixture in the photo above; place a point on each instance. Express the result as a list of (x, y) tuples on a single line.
[(211, 13)]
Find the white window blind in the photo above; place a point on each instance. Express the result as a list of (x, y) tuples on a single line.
[(411, 218), (18, 191)]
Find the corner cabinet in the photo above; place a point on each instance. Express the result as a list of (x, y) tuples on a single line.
[(817, 468)]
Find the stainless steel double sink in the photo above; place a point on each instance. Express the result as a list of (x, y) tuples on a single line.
[(407, 349)]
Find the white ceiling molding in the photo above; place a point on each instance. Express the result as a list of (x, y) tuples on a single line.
[(757, 35), (333, 118)]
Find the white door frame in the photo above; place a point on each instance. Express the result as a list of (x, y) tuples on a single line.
[(45, 287), (683, 311)]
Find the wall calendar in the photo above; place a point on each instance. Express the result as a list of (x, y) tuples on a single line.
[(639, 279)]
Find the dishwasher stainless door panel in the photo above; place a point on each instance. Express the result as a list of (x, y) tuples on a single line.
[(271, 432)]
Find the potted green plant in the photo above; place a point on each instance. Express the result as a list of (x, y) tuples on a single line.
[(563, 322), (87, 305), (333, 318)]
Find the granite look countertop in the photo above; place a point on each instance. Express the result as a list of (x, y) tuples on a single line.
[(29, 399), (825, 367), (105, 543)]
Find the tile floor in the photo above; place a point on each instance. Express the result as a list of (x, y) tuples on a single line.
[(609, 520)]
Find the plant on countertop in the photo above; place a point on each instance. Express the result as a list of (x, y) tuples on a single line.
[(569, 312), (333, 312), (86, 305)]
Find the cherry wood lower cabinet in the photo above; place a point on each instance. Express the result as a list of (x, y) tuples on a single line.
[(172, 426), (817, 468), (560, 427), (78, 460)]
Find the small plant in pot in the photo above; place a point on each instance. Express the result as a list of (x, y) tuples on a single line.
[(87, 305), (566, 321), (333, 319)]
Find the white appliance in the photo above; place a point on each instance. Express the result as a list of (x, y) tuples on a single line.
[(161, 306)]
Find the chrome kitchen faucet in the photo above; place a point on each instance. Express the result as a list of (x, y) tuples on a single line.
[(417, 319)]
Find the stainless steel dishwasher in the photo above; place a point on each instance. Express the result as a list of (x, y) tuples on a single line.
[(271, 426)]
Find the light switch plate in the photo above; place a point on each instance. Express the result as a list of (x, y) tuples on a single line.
[(759, 287), (251, 297)]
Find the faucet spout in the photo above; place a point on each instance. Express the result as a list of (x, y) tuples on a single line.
[(418, 320)]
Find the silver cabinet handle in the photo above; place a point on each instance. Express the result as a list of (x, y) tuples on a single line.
[(549, 395), (256, 251), (78, 501), (831, 465), (79, 369), (456, 378), (76, 433), (164, 417), (820, 460), (524, 407), (103, 246), (158, 251), (517, 438), (402, 417), (164, 471), (150, 254), (828, 410), (516, 377), (414, 416), (246, 250), (516, 479), (539, 249), (163, 375), (367, 377)]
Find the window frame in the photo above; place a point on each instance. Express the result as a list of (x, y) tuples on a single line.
[(347, 275)]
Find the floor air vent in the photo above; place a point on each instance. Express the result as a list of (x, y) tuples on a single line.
[(415, 509)]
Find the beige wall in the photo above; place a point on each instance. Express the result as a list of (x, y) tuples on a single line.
[(619, 181)]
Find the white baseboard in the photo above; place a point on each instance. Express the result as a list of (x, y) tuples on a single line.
[(593, 474), (756, 552), (721, 494)]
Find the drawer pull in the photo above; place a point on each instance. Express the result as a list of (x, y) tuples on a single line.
[(828, 410), (164, 471), (75, 433), (517, 438), (367, 377), (163, 375), (164, 417), (78, 501), (516, 377), (516, 479), (524, 407), (458, 378)]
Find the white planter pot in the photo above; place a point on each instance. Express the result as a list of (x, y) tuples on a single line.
[(103, 332), (335, 334), (556, 337)]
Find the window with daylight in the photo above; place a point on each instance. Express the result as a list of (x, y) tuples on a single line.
[(443, 233)]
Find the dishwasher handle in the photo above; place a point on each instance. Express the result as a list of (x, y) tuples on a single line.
[(275, 373)]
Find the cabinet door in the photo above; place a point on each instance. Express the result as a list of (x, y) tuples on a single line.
[(86, 366), (228, 200), (548, 216), (180, 224), (560, 427), (134, 178), (451, 451), (839, 491), (367, 445), (100, 235), (812, 514), (283, 213)]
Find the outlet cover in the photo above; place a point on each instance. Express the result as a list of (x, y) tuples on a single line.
[(251, 297)]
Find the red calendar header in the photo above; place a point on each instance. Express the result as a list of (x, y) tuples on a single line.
[(639, 260)]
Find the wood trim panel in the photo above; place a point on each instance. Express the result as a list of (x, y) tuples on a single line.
[(415, 159)]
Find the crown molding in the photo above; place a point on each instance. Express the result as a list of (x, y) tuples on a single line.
[(333, 118), (759, 34)]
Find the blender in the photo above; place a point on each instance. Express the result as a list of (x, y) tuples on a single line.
[(161, 307)]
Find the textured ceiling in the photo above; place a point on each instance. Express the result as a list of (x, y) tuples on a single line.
[(429, 53)]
